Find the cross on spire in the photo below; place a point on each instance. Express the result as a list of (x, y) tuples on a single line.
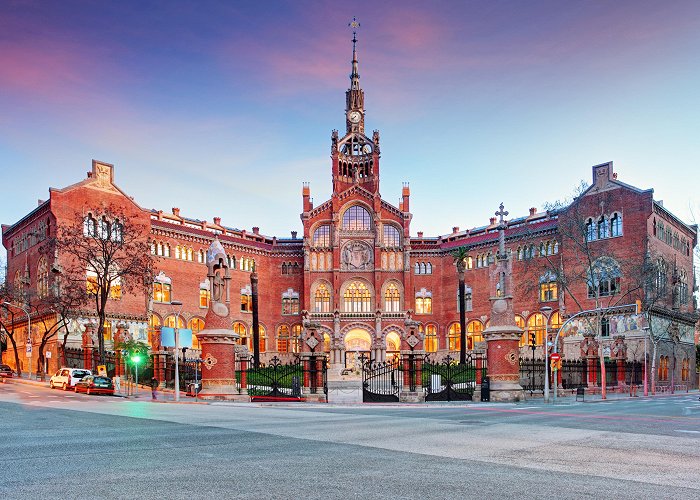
[(501, 213)]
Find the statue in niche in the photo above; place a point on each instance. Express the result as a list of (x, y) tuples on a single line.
[(219, 277)]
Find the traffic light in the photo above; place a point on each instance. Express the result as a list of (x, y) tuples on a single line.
[(533, 339)]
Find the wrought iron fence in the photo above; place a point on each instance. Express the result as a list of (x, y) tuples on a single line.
[(282, 381), (447, 379)]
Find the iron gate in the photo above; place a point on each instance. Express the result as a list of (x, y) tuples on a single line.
[(381, 381), (282, 381), (450, 380)]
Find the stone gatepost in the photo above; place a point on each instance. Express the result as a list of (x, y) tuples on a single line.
[(503, 335), (589, 352), (619, 353), (218, 340), (88, 346), (412, 354)]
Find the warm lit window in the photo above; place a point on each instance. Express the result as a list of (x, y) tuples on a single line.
[(161, 292), (474, 329), (357, 298), (196, 325), (322, 237), (262, 338), (153, 329), (536, 325), (392, 298), (685, 370), (242, 332), (392, 237), (107, 331), (431, 340), (322, 299), (170, 321), (246, 299), (548, 287), (356, 218), (283, 339), (424, 302), (453, 340), (204, 297), (296, 339)]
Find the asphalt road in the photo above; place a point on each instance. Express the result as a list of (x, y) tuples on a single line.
[(63, 445)]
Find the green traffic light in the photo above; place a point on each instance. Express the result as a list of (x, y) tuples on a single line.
[(135, 359)]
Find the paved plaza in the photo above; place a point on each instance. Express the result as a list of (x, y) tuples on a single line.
[(64, 445)]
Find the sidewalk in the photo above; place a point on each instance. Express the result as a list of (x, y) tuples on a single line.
[(610, 396)]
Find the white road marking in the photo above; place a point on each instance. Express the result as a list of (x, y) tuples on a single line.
[(686, 431)]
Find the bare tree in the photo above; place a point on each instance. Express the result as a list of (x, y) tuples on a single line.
[(591, 267), (106, 253), (7, 318)]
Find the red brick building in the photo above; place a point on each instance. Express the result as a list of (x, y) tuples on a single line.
[(357, 270)]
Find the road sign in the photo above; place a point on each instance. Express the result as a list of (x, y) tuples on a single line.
[(556, 356), (48, 354), (29, 348)]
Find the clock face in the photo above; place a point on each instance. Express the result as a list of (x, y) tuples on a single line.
[(354, 116)]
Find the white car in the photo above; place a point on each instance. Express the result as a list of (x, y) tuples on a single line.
[(65, 378)]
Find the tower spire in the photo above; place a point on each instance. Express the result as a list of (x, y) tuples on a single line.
[(354, 76)]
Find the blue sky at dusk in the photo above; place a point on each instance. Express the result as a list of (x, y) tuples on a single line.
[(225, 108)]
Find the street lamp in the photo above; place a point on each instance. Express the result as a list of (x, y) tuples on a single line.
[(546, 312), (135, 360), (177, 348), (29, 334)]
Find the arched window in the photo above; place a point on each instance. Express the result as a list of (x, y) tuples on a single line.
[(19, 286), (417, 268), (357, 298), (196, 325), (283, 338), (103, 228), (616, 225), (431, 339), (392, 298), (520, 323), (296, 339), (262, 338), (470, 262), (536, 324), (548, 287), (89, 226), (428, 268), (685, 370), (322, 237), (170, 321), (356, 218), (154, 324), (242, 332), (661, 277), (603, 227), (392, 237), (590, 230), (322, 299), (117, 231), (246, 299), (107, 331), (42, 278), (604, 278), (474, 329), (424, 302), (453, 332)]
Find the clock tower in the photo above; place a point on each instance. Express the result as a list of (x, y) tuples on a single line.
[(355, 156)]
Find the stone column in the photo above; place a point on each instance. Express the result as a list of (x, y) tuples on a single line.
[(589, 352), (218, 361), (88, 346)]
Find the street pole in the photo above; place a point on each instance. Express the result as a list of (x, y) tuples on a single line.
[(29, 335), (177, 348), (646, 385), (546, 312)]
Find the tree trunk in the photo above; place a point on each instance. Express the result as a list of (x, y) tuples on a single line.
[(462, 321), (653, 369), (603, 376), (14, 347)]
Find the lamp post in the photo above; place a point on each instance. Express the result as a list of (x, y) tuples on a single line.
[(177, 348), (29, 334), (546, 312), (135, 360)]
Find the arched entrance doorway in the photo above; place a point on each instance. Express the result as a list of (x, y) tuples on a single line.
[(393, 346), (357, 342)]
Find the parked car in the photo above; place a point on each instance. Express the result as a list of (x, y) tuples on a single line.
[(6, 371), (66, 378), (94, 384)]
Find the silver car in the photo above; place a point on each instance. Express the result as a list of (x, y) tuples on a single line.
[(65, 378)]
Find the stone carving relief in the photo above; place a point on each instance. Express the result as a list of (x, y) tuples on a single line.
[(356, 256)]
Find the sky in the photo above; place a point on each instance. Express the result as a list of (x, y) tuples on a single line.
[(224, 109)]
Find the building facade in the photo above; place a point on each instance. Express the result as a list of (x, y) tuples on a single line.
[(357, 271)]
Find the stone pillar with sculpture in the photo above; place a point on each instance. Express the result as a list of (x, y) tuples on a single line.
[(218, 340), (313, 361), (589, 352), (619, 354), (88, 345), (503, 335), (412, 355)]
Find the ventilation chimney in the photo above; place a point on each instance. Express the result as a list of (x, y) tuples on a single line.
[(217, 221), (294, 235), (420, 234), (533, 211), (455, 229), (492, 221), (256, 230), (176, 212)]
